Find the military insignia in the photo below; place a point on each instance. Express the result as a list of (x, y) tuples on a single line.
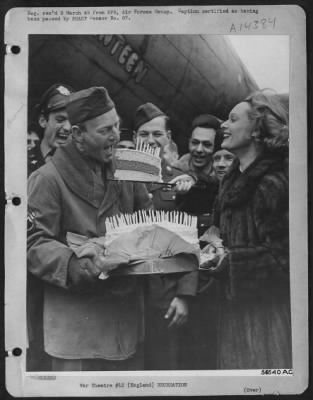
[(31, 221), (63, 90)]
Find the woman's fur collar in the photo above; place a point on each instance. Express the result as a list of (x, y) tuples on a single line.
[(238, 187)]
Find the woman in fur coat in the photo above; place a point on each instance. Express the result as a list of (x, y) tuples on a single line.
[(254, 330)]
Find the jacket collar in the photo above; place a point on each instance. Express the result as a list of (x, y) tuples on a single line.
[(77, 173)]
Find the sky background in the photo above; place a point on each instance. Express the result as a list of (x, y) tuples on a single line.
[(266, 58)]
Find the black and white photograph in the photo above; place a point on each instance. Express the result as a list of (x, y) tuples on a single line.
[(158, 202)]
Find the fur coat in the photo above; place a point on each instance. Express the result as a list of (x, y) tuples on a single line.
[(252, 213)]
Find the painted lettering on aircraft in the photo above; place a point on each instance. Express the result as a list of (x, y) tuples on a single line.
[(125, 55)]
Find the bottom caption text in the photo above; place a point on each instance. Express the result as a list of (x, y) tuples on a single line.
[(134, 385)]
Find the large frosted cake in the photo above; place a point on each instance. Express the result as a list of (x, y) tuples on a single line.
[(142, 164), (180, 223)]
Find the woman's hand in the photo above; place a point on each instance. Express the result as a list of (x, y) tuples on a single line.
[(217, 265)]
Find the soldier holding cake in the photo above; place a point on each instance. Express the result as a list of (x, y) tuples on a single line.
[(93, 306), (89, 323)]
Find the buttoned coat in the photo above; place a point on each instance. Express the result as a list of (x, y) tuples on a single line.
[(105, 320)]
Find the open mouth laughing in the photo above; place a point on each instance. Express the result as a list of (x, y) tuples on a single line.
[(62, 136)]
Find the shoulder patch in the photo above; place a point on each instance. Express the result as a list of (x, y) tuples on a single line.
[(31, 221)]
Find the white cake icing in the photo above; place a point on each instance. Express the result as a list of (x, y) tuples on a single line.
[(178, 222), (142, 164)]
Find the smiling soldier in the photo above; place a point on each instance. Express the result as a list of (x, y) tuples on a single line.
[(89, 323), (199, 161), (201, 146), (53, 118), (53, 131), (167, 297), (54, 124), (222, 158), (199, 330)]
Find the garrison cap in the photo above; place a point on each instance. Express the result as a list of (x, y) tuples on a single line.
[(88, 104), (206, 121), (126, 134), (145, 113), (54, 98), (219, 138)]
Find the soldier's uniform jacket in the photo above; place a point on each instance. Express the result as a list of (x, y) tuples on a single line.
[(162, 289), (66, 196)]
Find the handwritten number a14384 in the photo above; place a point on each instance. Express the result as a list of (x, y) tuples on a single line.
[(263, 24)]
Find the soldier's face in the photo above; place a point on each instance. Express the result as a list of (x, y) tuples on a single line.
[(154, 133), (32, 140), (222, 161), (201, 146), (57, 128), (101, 134)]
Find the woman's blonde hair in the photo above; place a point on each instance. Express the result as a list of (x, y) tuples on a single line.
[(271, 120)]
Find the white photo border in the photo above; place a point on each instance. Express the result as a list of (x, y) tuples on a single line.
[(289, 20)]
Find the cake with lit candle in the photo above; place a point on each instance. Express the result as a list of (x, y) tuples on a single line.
[(154, 242), (149, 242), (142, 164), (181, 223)]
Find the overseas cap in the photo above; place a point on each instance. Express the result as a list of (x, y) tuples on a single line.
[(205, 121), (126, 134), (88, 104), (219, 138), (145, 113), (54, 98)]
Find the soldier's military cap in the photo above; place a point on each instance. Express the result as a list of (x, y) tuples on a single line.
[(88, 104), (126, 134), (145, 113), (206, 121), (218, 140), (54, 98)]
